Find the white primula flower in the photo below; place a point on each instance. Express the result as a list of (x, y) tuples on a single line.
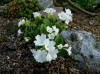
[(52, 54), (60, 46), (68, 12), (19, 32), (62, 16), (56, 30), (65, 16), (27, 39), (33, 51), (49, 44), (69, 50), (21, 22), (69, 19), (51, 36), (50, 11), (53, 31), (36, 14), (39, 55), (66, 45), (40, 40), (48, 57), (50, 30)]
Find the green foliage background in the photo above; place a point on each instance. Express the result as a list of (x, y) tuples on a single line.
[(86, 4), (39, 25), (2, 2), (21, 8)]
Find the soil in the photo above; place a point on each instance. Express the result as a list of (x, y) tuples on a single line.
[(20, 60), (82, 21)]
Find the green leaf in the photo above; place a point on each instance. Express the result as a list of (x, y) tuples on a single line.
[(53, 19), (46, 21), (27, 23), (38, 47), (43, 29), (59, 39), (38, 20), (62, 53), (60, 25)]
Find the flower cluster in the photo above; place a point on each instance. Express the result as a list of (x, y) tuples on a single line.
[(48, 42), (65, 16), (49, 51), (52, 32), (50, 11)]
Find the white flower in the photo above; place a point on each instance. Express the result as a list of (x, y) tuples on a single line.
[(51, 36), (53, 31), (8, 57), (52, 52), (49, 44), (50, 11), (52, 55), (19, 32), (56, 30), (66, 45), (60, 46), (65, 16), (36, 14), (48, 57), (68, 12), (62, 15), (40, 40), (50, 30), (69, 19), (39, 55), (27, 39), (21, 22), (33, 51), (69, 50)]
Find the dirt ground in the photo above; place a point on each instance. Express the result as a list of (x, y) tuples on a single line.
[(87, 23), (20, 60)]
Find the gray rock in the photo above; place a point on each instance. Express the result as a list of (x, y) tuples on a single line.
[(46, 3), (85, 48)]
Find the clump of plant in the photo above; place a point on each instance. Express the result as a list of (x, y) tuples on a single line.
[(2, 2), (22, 8), (86, 4), (45, 34)]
